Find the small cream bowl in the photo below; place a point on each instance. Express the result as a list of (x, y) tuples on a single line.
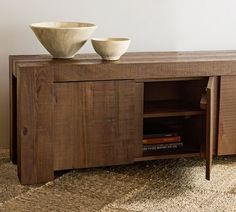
[(110, 48)]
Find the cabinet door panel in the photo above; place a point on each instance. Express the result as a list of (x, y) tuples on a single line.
[(211, 125), (227, 116), (94, 124)]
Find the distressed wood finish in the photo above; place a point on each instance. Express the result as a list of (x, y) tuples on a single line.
[(211, 122), (227, 116), (94, 124), (160, 157), (139, 98), (34, 125), (136, 71), (156, 65), (63, 129), (86, 112)]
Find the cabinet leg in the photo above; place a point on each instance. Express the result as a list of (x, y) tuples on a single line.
[(29, 175), (34, 126)]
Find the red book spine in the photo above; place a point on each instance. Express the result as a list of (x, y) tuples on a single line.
[(173, 139)]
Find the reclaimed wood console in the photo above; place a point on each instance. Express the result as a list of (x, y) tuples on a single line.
[(85, 112)]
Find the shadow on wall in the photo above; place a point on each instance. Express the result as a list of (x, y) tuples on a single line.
[(16, 40)]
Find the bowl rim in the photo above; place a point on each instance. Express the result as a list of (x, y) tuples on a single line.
[(42, 25), (111, 39)]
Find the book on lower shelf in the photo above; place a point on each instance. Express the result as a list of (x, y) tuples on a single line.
[(159, 137), (155, 147), (161, 140)]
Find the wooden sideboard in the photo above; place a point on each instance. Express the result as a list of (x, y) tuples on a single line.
[(85, 112)]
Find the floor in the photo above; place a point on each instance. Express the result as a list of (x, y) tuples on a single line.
[(165, 185)]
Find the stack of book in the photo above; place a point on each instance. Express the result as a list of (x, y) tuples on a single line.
[(162, 139)]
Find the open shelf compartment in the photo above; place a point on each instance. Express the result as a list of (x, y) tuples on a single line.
[(175, 105)]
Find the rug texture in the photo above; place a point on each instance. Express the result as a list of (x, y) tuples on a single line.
[(164, 185)]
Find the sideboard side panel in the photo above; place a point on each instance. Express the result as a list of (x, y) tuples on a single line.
[(34, 125), (227, 116)]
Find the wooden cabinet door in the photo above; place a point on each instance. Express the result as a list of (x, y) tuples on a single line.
[(211, 122), (227, 116), (95, 124)]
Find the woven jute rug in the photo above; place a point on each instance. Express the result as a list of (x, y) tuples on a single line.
[(165, 185)]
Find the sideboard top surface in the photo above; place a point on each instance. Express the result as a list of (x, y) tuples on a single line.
[(133, 65), (137, 57)]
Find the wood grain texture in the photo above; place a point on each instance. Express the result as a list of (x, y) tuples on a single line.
[(136, 71), (211, 122), (156, 65), (86, 112), (141, 57), (227, 116), (139, 104), (63, 126), (34, 125), (168, 156), (94, 124)]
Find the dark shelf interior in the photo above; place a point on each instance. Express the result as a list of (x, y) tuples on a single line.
[(176, 105)]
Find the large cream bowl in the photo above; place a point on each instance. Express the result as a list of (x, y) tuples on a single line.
[(63, 39)]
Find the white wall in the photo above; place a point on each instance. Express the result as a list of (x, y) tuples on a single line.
[(153, 25)]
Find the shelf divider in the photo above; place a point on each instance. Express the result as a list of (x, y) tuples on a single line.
[(167, 156), (156, 109)]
